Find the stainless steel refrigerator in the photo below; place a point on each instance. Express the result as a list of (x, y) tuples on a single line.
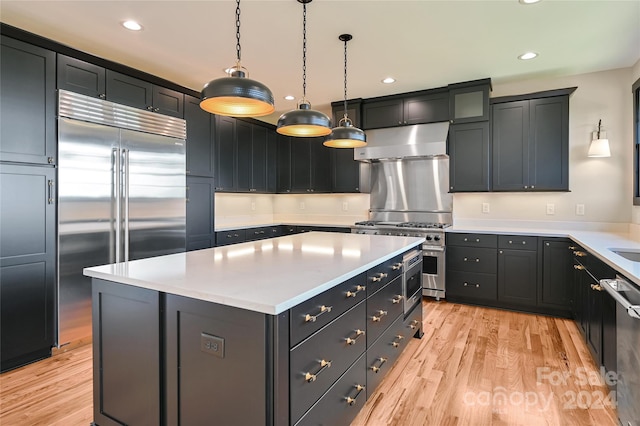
[(121, 191)]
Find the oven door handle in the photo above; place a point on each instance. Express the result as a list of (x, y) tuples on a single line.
[(431, 249)]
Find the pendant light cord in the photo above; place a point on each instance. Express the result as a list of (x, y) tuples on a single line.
[(599, 123), (345, 79), (238, 49), (304, 52)]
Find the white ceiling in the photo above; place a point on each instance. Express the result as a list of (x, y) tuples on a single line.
[(423, 44)]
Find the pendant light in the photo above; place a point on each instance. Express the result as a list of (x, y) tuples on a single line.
[(237, 95), (346, 135), (304, 121)]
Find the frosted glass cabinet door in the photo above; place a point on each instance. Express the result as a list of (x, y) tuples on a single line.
[(469, 102)]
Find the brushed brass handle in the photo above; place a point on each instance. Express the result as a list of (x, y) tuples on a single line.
[(572, 247), (309, 377), (381, 313), (352, 401), (381, 361), (351, 341), (396, 266), (397, 299), (313, 318), (476, 260), (596, 287), (396, 344), (359, 288), (578, 267), (379, 277), (413, 324), (579, 253)]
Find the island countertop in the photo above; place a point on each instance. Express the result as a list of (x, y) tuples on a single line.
[(267, 276)]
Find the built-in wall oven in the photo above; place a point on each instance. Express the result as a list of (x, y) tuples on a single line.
[(412, 279)]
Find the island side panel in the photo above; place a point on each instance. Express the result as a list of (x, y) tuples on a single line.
[(219, 364), (126, 355)]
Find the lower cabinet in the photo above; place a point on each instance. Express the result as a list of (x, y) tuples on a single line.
[(517, 270), (200, 213)]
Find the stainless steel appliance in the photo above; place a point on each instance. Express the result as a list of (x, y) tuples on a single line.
[(121, 189), (627, 296), (409, 186), (411, 280)]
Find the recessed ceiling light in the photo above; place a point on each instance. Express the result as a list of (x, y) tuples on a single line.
[(528, 55), (132, 25), (389, 80), (529, 1), (289, 97)]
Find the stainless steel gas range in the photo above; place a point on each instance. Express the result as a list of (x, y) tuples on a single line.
[(433, 250)]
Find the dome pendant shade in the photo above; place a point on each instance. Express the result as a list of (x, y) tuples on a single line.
[(346, 136), (237, 96), (304, 122)]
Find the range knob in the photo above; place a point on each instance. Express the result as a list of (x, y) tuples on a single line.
[(436, 238), (429, 238)]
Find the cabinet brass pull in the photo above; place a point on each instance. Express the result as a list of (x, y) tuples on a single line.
[(572, 247), (397, 344), (381, 313), (352, 401), (359, 288), (397, 299), (50, 192), (472, 285), (351, 341), (476, 260), (578, 267), (379, 277), (596, 287), (579, 253), (309, 377), (396, 266), (413, 324), (382, 361), (510, 242), (313, 318)]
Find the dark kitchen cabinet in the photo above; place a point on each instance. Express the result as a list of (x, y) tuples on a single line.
[(200, 137), (232, 236), (517, 270), (225, 153), (410, 108), (556, 271), (243, 163), (200, 213), (469, 101), (469, 157), (272, 159), (345, 171), (81, 77), (283, 164), (131, 91), (252, 157), (530, 144), (27, 263), (354, 112), (310, 165), (471, 268), (28, 103)]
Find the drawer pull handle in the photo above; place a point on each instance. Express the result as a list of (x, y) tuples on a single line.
[(396, 266), (397, 299), (466, 259), (396, 344), (382, 361), (466, 284), (413, 324), (596, 287), (323, 366), (380, 276), (579, 253), (313, 318), (351, 341), (572, 247), (359, 288), (578, 267), (352, 401), (381, 313)]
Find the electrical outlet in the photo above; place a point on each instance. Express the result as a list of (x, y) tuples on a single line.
[(551, 208), (301, 205), (345, 206), (253, 205), (212, 345), (485, 208), (580, 209)]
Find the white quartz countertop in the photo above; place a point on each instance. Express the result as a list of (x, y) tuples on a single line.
[(292, 223), (268, 276), (598, 243)]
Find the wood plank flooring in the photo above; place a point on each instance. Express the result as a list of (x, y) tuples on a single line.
[(474, 366)]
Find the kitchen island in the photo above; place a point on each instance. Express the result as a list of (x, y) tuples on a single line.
[(291, 330)]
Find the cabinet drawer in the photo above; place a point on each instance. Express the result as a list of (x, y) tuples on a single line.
[(472, 240), (517, 242), (379, 276), (413, 322), (343, 401), (261, 233), (317, 362), (383, 308), (384, 352), (472, 259), (235, 236), (472, 285), (339, 299)]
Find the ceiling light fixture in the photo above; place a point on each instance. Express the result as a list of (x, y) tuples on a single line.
[(237, 95), (345, 135), (599, 146), (527, 56), (389, 80), (304, 121), (289, 97), (529, 1), (132, 25)]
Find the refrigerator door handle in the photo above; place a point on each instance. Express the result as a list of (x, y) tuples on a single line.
[(125, 193), (115, 164)]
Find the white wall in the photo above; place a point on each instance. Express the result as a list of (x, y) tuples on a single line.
[(603, 185)]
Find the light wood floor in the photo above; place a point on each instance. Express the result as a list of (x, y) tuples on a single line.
[(474, 366)]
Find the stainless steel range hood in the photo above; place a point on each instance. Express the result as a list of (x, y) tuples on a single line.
[(420, 140)]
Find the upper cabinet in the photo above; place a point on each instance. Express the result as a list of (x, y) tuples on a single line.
[(530, 142), (354, 112), (400, 110), (345, 171), (469, 101), (81, 77), (304, 165), (200, 133), (28, 103)]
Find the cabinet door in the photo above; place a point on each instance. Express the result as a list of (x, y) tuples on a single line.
[(81, 77), (300, 164), (27, 264), (385, 113), (284, 164), (345, 171), (225, 153), (594, 320), (259, 159), (200, 148), (609, 334), (429, 108), (320, 166), (510, 139), (469, 157), (469, 104), (200, 213), (126, 90), (354, 109), (581, 306), (243, 156), (517, 272), (168, 102), (555, 290), (28, 103), (272, 159), (549, 143)]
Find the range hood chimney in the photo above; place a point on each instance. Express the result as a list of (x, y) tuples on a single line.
[(419, 140)]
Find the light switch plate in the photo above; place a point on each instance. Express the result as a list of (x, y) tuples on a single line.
[(551, 208), (345, 206), (580, 209)]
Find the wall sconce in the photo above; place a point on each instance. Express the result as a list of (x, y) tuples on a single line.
[(599, 146)]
